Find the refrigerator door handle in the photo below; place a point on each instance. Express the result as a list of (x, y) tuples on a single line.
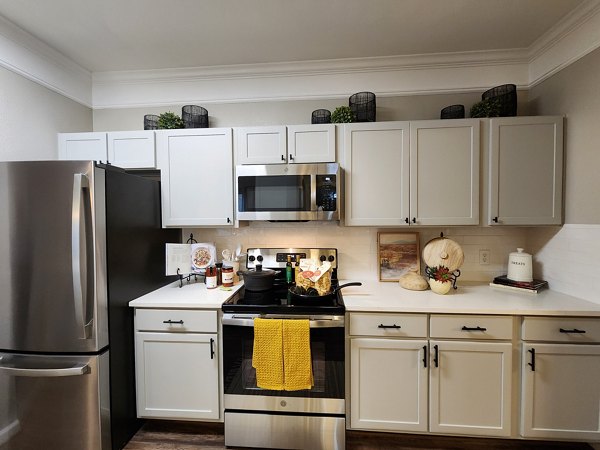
[(80, 182), (11, 367)]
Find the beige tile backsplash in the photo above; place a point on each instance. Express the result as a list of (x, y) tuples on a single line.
[(357, 246)]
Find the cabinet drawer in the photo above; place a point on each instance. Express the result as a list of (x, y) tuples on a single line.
[(175, 320), (471, 327), (561, 329), (388, 325)]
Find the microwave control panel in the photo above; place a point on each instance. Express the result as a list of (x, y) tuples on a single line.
[(326, 192)]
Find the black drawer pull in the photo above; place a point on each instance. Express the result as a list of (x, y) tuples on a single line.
[(532, 363), (436, 361), (388, 326), (212, 349), (173, 321), (574, 330), (465, 328)]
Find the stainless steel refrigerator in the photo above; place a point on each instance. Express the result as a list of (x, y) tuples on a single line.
[(78, 241)]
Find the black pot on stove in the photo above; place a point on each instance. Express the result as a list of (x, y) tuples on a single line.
[(258, 279)]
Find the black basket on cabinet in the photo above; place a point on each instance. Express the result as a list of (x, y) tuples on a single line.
[(150, 122), (363, 106), (321, 116), (194, 116), (506, 96), (453, 112)]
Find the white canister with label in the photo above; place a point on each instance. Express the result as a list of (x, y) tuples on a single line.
[(520, 266)]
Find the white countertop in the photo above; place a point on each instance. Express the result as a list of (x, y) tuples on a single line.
[(192, 295), (469, 298)]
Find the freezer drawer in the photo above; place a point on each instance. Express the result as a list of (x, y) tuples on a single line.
[(54, 402)]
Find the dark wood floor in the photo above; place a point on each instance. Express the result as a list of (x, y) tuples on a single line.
[(167, 435)]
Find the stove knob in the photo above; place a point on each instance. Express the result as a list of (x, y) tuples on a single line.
[(331, 258), (251, 258), (259, 258), (322, 258)]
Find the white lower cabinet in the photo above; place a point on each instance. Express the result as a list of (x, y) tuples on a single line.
[(470, 377), (561, 387), (177, 364)]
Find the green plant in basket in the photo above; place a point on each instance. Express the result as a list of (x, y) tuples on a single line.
[(169, 121), (342, 114), (490, 107)]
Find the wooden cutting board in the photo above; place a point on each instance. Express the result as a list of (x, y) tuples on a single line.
[(442, 251)]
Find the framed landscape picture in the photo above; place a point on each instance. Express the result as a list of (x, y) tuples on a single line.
[(397, 253)]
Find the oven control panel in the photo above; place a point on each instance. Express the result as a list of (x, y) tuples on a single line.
[(274, 258)]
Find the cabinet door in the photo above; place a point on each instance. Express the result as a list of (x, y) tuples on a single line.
[(444, 172), (377, 173), (82, 146), (132, 149), (177, 375), (196, 171), (470, 388), (388, 384), (311, 143), (261, 145), (526, 170), (561, 393)]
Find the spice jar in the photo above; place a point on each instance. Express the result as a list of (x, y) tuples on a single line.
[(211, 277), (219, 266), (227, 273)]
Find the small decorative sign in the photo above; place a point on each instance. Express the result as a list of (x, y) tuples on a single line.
[(397, 253)]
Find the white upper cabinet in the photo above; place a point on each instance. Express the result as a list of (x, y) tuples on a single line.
[(132, 149), (196, 176), (412, 173), (525, 171), (444, 172), (280, 144), (376, 167), (311, 143), (82, 146)]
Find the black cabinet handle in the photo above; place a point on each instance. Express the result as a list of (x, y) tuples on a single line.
[(532, 363), (436, 361), (574, 330), (292, 157), (465, 328), (495, 219), (388, 326), (424, 356), (406, 220), (228, 220), (414, 220), (212, 349), (173, 321), (282, 158)]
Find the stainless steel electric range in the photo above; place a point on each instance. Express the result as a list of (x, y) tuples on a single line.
[(306, 419)]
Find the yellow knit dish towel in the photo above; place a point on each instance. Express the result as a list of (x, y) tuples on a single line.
[(267, 355), (297, 365)]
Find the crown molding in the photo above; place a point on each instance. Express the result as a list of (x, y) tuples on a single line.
[(572, 38), (31, 58)]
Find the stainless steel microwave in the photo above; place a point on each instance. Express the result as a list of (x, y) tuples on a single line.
[(288, 192)]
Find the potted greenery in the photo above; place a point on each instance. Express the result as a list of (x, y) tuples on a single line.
[(490, 107), (440, 279), (342, 114), (169, 120)]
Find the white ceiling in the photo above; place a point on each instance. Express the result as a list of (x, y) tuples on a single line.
[(117, 35)]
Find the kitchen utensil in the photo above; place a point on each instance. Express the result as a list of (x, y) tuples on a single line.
[(445, 252), (238, 252), (258, 279), (296, 294), (520, 266), (226, 254)]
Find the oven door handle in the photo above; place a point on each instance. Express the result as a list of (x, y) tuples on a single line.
[(240, 321)]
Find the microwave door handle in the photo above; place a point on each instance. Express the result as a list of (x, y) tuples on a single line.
[(313, 193), (79, 268)]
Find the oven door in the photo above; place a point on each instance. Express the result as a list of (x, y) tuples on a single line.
[(327, 353), (287, 192)]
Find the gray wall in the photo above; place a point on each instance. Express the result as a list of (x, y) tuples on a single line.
[(294, 112), (574, 92), (30, 117)]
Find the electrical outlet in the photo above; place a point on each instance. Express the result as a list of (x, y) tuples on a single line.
[(484, 257)]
